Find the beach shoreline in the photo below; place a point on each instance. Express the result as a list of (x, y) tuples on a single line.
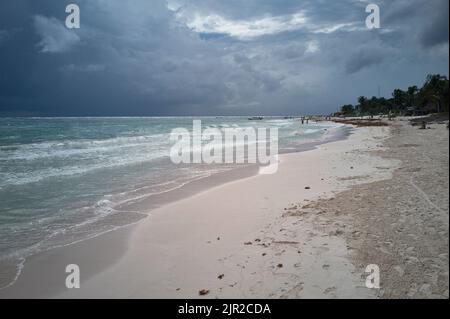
[(260, 236), (140, 209)]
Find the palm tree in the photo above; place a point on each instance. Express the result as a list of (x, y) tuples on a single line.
[(362, 100), (399, 98), (412, 92), (435, 90), (348, 110)]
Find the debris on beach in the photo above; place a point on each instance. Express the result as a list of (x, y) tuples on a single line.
[(286, 242), (203, 292), (297, 213), (361, 122), (280, 265), (220, 276), (248, 243)]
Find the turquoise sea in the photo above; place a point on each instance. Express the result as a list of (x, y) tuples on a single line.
[(63, 180)]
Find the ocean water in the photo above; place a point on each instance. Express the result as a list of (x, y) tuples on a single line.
[(63, 180)]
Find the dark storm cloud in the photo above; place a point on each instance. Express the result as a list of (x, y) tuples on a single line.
[(205, 57), (116, 63), (367, 56), (436, 29), (56, 38), (429, 20), (4, 35), (363, 59)]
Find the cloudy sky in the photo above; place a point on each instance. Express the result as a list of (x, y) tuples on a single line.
[(213, 57)]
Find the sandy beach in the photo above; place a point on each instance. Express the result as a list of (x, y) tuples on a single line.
[(309, 231), (221, 152)]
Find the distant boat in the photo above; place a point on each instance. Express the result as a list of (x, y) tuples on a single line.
[(256, 118)]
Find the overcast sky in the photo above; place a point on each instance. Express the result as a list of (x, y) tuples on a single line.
[(213, 57)]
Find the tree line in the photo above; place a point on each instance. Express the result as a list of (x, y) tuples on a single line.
[(432, 97)]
